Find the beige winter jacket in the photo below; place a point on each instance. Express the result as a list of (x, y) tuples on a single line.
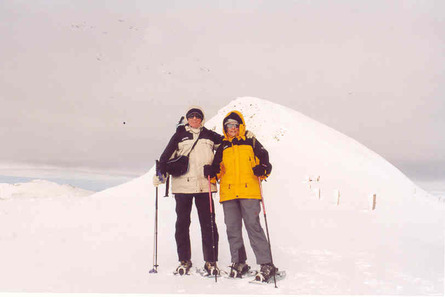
[(193, 181)]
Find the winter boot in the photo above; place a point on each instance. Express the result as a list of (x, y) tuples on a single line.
[(211, 268), (266, 272), (238, 269), (184, 267)]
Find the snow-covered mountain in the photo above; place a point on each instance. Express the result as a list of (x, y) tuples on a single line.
[(40, 189), (319, 202), (303, 149)]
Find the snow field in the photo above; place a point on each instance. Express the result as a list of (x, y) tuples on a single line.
[(104, 243)]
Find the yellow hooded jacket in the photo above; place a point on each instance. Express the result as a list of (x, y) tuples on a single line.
[(234, 162)]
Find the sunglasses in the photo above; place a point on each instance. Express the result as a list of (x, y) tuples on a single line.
[(194, 115), (232, 126)]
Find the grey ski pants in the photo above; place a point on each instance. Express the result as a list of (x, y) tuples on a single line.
[(247, 210)]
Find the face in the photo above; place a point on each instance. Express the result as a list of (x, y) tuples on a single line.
[(232, 130), (194, 120)]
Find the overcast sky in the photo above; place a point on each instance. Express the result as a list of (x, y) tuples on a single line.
[(72, 72)]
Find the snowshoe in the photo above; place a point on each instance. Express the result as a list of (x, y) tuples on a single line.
[(238, 270), (279, 275), (184, 268), (267, 273), (210, 269)]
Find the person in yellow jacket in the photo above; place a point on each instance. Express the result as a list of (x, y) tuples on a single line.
[(238, 164)]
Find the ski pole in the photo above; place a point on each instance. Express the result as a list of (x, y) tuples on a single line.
[(212, 222), (267, 230), (155, 242)]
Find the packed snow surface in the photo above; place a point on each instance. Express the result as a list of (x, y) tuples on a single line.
[(342, 220)]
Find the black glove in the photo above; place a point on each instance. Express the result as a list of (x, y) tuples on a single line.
[(208, 170), (260, 170)]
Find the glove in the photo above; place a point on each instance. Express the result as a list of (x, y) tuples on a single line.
[(157, 180), (260, 170), (208, 170), (249, 134)]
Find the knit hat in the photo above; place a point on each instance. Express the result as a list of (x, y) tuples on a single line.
[(194, 110)]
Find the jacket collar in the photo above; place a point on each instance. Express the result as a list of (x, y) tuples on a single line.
[(193, 130)]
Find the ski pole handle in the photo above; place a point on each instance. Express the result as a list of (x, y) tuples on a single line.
[(210, 193), (262, 197), (167, 186)]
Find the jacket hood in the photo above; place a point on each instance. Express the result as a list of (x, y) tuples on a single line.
[(236, 115)]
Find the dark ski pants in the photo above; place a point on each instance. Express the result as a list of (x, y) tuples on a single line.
[(247, 210), (182, 235)]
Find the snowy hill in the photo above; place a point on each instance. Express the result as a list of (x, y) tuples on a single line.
[(324, 232), (302, 148), (40, 189)]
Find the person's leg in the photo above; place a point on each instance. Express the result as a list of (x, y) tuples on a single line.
[(250, 210), (203, 206), (182, 233), (234, 225)]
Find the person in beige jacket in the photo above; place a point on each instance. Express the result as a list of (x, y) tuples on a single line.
[(193, 185)]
